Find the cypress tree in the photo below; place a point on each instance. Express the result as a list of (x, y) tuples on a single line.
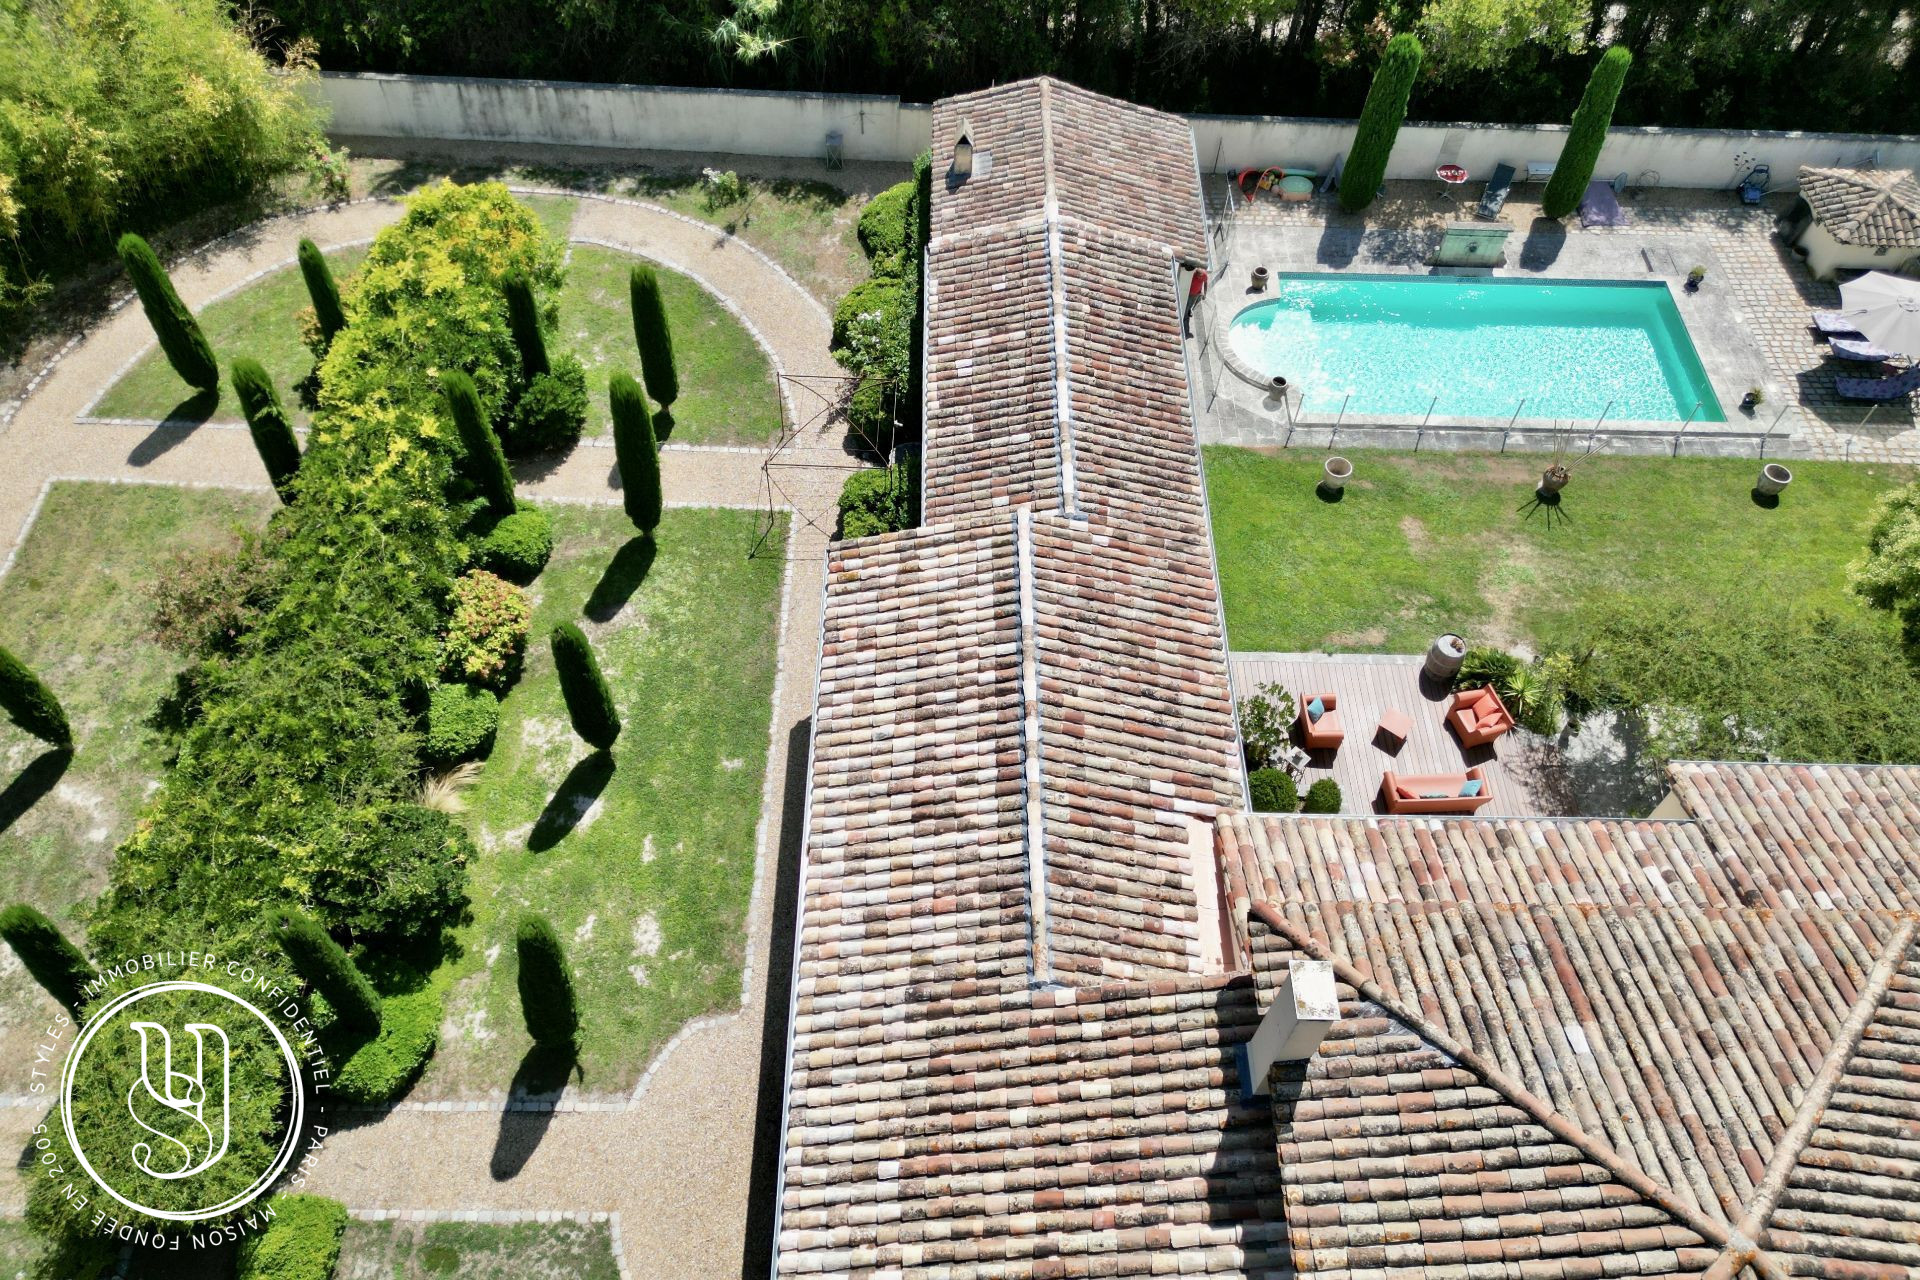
[(1588, 133), (327, 311), (546, 986), (272, 434), (589, 701), (655, 340), (55, 963), (486, 462), (523, 316), (637, 453), (179, 333), (316, 957), (1380, 121), (30, 704)]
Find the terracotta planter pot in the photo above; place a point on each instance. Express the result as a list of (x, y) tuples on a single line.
[(1553, 479), (1334, 474), (1259, 279)]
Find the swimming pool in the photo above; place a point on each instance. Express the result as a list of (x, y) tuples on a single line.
[(1388, 345)]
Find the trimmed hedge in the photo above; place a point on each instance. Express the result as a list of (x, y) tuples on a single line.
[(886, 229), (1273, 791), (518, 547), (32, 706), (1380, 120), (878, 500), (383, 1068), (883, 295), (589, 701), (653, 336), (461, 722), (636, 451), (186, 347), (297, 781), (1581, 151), (267, 422), (55, 963), (301, 1243), (1322, 797), (329, 317), (317, 958), (547, 999)]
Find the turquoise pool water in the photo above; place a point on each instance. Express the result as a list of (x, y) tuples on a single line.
[(1393, 343)]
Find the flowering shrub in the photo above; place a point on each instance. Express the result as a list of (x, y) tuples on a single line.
[(487, 634)]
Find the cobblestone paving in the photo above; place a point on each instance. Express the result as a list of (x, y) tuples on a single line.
[(1772, 289), (675, 1160)]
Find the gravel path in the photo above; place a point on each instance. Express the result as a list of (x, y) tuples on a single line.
[(676, 1161)]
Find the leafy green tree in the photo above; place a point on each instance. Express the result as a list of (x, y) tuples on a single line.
[(653, 337), (589, 701), (186, 347), (1272, 791), (523, 316), (1889, 576), (327, 311), (272, 433), (485, 459), (316, 957), (30, 704), (1574, 170), (547, 999), (55, 963), (637, 453), (1380, 122)]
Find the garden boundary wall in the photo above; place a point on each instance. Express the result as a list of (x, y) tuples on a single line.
[(754, 122)]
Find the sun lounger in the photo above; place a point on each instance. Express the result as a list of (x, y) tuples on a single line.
[(1860, 350), (1601, 207), (1495, 197), (1898, 387), (1835, 324)]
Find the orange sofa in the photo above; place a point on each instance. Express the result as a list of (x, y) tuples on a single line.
[(1410, 792), (1478, 716), (1324, 734)]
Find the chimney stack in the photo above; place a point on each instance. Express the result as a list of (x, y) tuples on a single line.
[(1295, 1023)]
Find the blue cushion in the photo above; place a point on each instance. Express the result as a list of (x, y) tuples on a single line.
[(1315, 710), (1472, 788)]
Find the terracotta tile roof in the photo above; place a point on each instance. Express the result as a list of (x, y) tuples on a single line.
[(1865, 206), (1602, 1047)]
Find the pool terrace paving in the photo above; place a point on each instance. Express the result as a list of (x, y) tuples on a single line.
[(1748, 321)]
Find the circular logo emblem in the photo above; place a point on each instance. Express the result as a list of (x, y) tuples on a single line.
[(182, 1100)]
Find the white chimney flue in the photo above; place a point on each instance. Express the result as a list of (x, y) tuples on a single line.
[(1296, 1022)]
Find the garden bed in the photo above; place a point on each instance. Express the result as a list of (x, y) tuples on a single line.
[(563, 1250)]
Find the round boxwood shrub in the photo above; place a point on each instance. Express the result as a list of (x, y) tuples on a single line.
[(1273, 791), (302, 1242), (878, 293), (551, 412), (886, 229), (518, 547), (383, 1068), (461, 722), (873, 501), (1323, 797), (486, 635)]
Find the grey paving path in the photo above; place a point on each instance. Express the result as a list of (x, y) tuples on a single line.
[(676, 1162)]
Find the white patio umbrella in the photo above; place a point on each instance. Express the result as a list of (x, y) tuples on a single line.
[(1886, 309)]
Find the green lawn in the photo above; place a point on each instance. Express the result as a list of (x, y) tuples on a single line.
[(727, 391), (259, 321), (807, 227), (555, 213), (646, 871), (1447, 542), (476, 1251)]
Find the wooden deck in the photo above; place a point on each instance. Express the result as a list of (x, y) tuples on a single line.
[(1520, 767)]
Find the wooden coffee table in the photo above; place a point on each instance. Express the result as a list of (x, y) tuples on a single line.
[(1396, 725)]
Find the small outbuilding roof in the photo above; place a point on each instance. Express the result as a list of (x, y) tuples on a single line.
[(1865, 206)]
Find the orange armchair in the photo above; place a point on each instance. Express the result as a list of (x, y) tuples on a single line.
[(1324, 734), (1478, 716)]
